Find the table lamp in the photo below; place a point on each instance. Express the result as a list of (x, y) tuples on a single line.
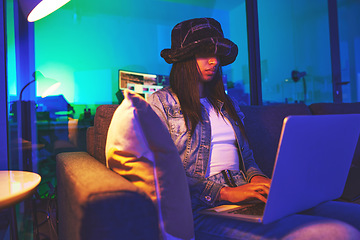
[(47, 85), (23, 112), (296, 76)]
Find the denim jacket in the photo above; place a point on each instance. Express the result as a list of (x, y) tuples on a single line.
[(194, 151)]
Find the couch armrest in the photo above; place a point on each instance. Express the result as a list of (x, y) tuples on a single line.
[(97, 203)]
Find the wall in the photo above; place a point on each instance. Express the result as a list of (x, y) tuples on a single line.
[(85, 49)]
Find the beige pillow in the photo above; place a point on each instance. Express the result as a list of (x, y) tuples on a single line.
[(140, 148)]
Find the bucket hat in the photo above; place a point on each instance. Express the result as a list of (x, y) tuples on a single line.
[(199, 35)]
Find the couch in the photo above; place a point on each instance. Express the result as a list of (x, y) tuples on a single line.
[(96, 203)]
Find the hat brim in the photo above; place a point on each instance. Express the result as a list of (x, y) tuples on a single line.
[(222, 47)]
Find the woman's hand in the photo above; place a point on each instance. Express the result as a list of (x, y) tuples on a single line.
[(260, 179), (245, 192)]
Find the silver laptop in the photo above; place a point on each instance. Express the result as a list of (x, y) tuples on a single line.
[(312, 163)]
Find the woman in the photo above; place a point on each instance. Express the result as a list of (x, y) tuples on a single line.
[(207, 128)]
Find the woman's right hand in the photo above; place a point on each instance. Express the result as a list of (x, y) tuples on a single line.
[(246, 192)]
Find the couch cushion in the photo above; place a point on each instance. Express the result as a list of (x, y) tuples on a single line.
[(334, 108), (352, 187), (263, 127), (102, 121), (140, 148), (90, 140)]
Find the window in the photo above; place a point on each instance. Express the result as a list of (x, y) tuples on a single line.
[(349, 36), (294, 36)]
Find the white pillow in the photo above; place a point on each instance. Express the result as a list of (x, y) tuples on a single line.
[(140, 148)]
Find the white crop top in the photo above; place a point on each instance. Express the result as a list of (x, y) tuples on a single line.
[(223, 151)]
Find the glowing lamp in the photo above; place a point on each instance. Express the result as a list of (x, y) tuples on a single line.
[(46, 86), (37, 9)]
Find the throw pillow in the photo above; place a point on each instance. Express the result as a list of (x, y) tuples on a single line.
[(139, 147)]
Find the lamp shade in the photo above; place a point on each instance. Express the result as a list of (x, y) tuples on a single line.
[(45, 86), (37, 9)]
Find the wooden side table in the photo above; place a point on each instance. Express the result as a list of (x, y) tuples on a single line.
[(15, 186)]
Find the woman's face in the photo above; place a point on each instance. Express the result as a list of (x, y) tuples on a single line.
[(208, 65)]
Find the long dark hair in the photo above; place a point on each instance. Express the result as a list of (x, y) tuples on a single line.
[(184, 82)]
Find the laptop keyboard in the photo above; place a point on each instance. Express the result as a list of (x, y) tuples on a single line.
[(251, 209)]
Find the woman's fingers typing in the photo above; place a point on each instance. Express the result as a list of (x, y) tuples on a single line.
[(245, 192)]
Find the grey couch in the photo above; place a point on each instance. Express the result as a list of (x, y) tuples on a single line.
[(97, 203)]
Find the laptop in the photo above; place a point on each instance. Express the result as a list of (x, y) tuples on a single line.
[(312, 163)]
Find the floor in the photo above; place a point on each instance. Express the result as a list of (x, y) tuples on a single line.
[(46, 223), (46, 202)]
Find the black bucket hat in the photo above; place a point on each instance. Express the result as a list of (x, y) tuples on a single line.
[(199, 35)]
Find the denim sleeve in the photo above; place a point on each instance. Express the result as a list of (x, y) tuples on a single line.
[(158, 108), (206, 191), (251, 168)]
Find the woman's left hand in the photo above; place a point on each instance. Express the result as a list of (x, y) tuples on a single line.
[(260, 179)]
